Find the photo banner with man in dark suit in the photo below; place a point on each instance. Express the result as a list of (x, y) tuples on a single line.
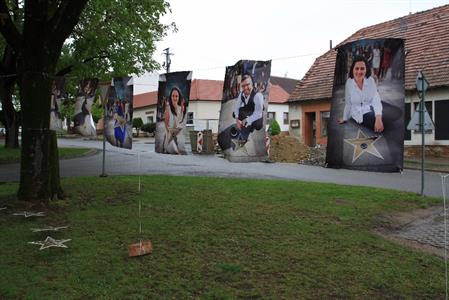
[(366, 125), (243, 115)]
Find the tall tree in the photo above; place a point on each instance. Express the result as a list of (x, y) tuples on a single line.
[(46, 25), (55, 37)]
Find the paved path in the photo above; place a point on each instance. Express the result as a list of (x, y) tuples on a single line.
[(121, 161)]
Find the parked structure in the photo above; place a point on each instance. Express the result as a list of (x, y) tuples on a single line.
[(426, 36)]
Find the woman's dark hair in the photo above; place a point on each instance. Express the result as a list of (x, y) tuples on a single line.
[(357, 59), (180, 101)]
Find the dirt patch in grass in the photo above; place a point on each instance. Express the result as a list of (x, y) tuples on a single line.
[(289, 149), (390, 225)]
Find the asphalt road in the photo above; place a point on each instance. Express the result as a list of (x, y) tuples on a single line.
[(143, 160)]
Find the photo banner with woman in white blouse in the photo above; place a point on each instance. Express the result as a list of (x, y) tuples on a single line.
[(243, 114), (171, 116), (366, 126)]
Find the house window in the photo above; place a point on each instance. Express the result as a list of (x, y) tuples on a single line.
[(150, 119), (429, 111), (441, 122), (190, 118), (325, 115), (285, 118), (271, 116)]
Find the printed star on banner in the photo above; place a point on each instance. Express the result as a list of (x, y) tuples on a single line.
[(50, 242), (49, 228), (28, 214), (363, 144)]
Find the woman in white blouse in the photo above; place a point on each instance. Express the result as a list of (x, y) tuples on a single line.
[(362, 100)]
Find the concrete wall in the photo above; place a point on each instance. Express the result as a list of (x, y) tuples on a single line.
[(295, 113)]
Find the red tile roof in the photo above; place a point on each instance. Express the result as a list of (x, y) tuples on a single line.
[(277, 95), (426, 36), (207, 90), (204, 89), (145, 99)]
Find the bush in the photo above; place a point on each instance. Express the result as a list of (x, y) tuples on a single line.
[(274, 128), (148, 127), (137, 123)]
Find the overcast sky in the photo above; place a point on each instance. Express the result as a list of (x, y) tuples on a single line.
[(213, 34)]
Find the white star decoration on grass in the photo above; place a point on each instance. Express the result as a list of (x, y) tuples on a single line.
[(49, 228), (363, 144), (28, 214), (50, 242)]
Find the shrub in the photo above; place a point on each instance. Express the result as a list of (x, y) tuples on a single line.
[(274, 128), (149, 127)]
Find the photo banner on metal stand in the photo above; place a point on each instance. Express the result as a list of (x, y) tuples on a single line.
[(172, 107), (119, 113), (366, 126), (243, 115), (57, 94), (84, 123)]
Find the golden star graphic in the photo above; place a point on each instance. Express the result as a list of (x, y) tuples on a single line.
[(363, 144)]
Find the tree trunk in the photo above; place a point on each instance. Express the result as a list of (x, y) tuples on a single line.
[(39, 165), (11, 116)]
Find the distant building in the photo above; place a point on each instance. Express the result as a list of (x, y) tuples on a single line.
[(426, 36), (205, 103)]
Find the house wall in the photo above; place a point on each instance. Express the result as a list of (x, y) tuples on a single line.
[(205, 115), (295, 115), (279, 110), (145, 113), (304, 112), (432, 96)]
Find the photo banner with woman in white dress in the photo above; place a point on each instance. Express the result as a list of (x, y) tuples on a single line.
[(366, 126), (57, 94), (172, 106), (243, 115), (84, 123), (119, 113)]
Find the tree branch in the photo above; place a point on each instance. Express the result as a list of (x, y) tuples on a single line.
[(69, 69), (65, 18), (7, 27)]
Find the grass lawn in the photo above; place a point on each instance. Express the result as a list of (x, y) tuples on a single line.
[(13, 155), (214, 239)]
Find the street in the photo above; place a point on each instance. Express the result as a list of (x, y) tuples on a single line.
[(126, 162)]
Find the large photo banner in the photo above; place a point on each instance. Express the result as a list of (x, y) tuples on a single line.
[(57, 94), (366, 126), (119, 113), (84, 123), (172, 106), (241, 128)]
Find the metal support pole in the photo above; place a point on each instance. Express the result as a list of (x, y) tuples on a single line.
[(421, 125), (103, 174)]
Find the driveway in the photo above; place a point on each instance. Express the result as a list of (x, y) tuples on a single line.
[(143, 160)]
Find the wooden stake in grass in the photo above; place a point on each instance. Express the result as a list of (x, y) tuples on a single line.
[(143, 247)]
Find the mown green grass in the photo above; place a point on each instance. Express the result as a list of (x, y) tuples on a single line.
[(214, 239), (8, 155)]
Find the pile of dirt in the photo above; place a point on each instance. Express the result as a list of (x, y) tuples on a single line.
[(289, 149)]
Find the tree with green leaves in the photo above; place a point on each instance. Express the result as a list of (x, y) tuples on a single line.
[(137, 123), (96, 38)]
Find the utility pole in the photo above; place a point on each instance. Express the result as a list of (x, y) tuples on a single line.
[(167, 63)]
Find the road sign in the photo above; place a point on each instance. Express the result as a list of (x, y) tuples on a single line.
[(421, 83), (414, 122)]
